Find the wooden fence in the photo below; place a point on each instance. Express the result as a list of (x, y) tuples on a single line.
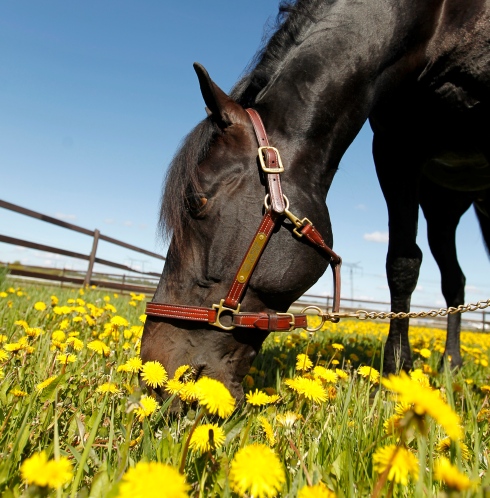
[(89, 277), (146, 282)]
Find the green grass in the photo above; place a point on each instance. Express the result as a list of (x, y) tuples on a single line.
[(333, 442)]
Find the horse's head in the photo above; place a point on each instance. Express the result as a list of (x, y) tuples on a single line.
[(213, 204)]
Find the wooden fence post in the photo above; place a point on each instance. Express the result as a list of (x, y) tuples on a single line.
[(88, 275)]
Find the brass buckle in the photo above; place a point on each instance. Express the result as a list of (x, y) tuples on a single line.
[(319, 313), (220, 309), (265, 169), (292, 323)]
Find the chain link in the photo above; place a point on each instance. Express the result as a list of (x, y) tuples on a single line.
[(391, 315)]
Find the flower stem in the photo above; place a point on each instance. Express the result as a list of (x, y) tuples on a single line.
[(187, 441), (300, 458)]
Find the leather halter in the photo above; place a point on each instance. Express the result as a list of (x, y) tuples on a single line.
[(276, 209)]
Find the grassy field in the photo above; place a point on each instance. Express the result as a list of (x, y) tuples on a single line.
[(318, 420)]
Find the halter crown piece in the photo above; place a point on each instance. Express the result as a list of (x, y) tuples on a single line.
[(276, 208)]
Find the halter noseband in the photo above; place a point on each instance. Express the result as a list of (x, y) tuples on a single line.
[(276, 208)]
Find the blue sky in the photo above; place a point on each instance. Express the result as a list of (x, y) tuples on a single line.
[(95, 98)]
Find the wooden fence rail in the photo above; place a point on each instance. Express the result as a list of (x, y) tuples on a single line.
[(91, 258)]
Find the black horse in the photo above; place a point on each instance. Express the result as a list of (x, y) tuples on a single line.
[(419, 70)]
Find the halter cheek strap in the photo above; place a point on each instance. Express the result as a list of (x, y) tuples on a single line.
[(277, 208)]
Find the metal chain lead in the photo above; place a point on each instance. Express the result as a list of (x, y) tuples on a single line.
[(391, 315)]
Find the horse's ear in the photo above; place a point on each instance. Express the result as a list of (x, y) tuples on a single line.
[(222, 108)]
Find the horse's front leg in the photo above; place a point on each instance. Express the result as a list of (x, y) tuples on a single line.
[(399, 182)]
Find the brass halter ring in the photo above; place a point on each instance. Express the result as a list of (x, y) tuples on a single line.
[(319, 313)]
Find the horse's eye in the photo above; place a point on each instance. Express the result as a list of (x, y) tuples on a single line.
[(196, 204)]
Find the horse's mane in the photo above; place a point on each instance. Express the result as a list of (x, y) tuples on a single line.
[(295, 17)]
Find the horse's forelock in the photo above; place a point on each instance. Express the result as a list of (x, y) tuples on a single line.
[(182, 181)]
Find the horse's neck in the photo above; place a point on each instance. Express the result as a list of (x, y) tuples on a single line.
[(328, 83)]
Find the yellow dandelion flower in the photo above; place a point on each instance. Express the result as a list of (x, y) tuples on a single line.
[(3, 355), (75, 343), (64, 359), (54, 300), (134, 364), (53, 473), (147, 406), (33, 332), (316, 491), (3, 294), (45, 383), (425, 401), (174, 386), (338, 347), (288, 419), (260, 398), (3, 338), (369, 373), (207, 437), (400, 462), (137, 331), (119, 321), (393, 425), (110, 308), (153, 480), (181, 371), (448, 473), (58, 335), (154, 374), (325, 374), (485, 388), (18, 393), (214, 396), (40, 306), (108, 387), (341, 374), (13, 347), (425, 353), (22, 323), (444, 446), (308, 388), (257, 471), (188, 393), (142, 318), (420, 377), (303, 362), (268, 431), (99, 347)]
